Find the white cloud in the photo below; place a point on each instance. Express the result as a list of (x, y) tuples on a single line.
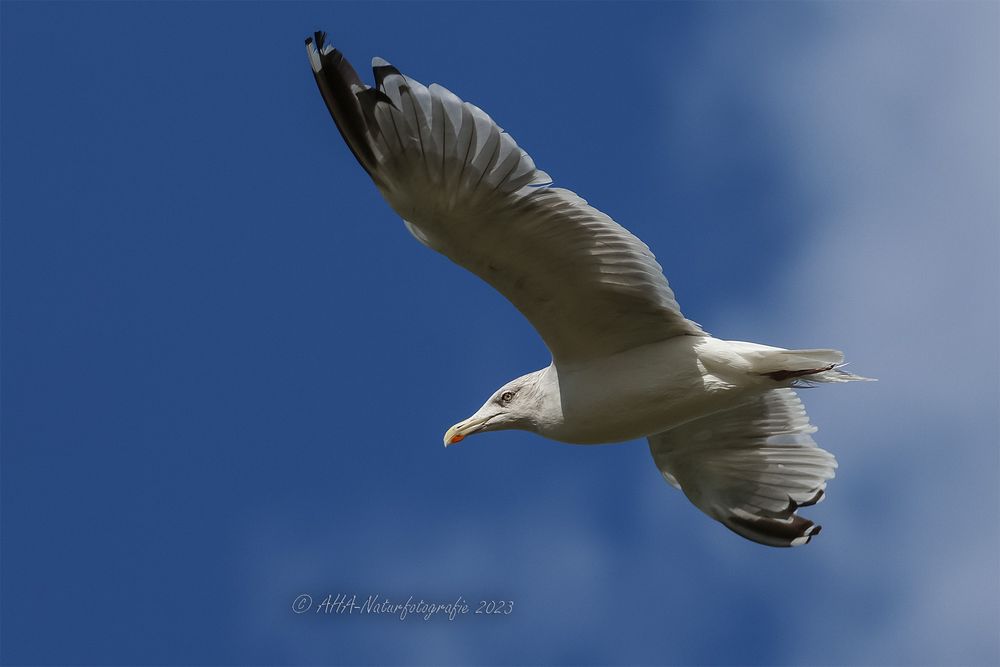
[(888, 118)]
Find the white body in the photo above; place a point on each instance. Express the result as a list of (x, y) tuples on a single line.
[(722, 423), (667, 384)]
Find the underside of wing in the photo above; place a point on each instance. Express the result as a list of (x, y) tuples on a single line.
[(465, 189), (750, 467)]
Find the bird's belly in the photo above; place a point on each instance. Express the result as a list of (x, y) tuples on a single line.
[(637, 393)]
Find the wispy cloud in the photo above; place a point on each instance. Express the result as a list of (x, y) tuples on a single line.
[(883, 123), (886, 116)]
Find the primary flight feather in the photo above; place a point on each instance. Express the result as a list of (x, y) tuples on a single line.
[(722, 423)]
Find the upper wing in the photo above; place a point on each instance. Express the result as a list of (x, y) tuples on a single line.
[(465, 189), (750, 467)]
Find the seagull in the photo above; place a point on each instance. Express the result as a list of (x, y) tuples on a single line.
[(723, 422)]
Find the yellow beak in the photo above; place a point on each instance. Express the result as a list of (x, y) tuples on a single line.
[(463, 428)]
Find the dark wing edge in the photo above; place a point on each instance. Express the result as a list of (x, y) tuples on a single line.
[(340, 85), (750, 467)]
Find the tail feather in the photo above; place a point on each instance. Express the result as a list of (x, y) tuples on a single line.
[(798, 367), (836, 374)]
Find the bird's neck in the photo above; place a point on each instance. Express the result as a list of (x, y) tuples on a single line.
[(548, 409)]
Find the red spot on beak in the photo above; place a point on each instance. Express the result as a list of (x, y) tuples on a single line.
[(458, 437)]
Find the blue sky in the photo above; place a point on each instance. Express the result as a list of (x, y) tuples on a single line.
[(227, 367)]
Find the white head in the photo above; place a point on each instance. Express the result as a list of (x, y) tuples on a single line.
[(527, 403)]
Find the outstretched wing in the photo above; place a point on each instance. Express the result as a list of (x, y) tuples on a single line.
[(750, 467), (465, 189)]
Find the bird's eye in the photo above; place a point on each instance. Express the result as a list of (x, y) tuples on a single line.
[(506, 397)]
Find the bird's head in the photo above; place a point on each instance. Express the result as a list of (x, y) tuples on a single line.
[(519, 404)]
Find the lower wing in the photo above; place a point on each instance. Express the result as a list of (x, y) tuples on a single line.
[(750, 467)]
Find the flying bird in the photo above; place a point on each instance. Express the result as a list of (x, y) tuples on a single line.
[(722, 420)]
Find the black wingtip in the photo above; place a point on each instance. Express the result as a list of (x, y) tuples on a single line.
[(340, 85), (791, 530), (382, 69), (373, 96), (817, 497)]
